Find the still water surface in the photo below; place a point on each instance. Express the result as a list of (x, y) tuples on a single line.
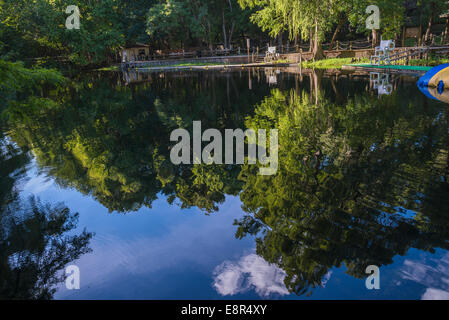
[(362, 180)]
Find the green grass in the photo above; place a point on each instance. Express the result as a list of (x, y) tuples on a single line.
[(337, 63), (187, 64), (429, 63), (110, 68), (332, 63), (283, 61), (195, 64)]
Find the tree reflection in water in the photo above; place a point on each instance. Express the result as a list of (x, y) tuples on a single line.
[(362, 178), (359, 183), (36, 239)]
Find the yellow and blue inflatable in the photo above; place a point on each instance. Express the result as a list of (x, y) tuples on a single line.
[(435, 83)]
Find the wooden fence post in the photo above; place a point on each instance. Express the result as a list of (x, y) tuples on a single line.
[(248, 47)]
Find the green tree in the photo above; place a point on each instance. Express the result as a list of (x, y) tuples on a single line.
[(43, 22), (430, 12), (25, 85), (310, 19)]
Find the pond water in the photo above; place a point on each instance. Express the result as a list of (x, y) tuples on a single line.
[(362, 180)]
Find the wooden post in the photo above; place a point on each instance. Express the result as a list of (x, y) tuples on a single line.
[(300, 58), (350, 45), (338, 42), (248, 45), (404, 31), (446, 30), (420, 36)]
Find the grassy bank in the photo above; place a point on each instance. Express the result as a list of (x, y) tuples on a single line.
[(187, 64), (429, 63), (333, 63), (111, 68), (195, 64), (337, 63)]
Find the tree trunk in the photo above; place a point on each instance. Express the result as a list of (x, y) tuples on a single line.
[(429, 29), (231, 32), (311, 40), (315, 85), (375, 38), (280, 41), (341, 22), (225, 40), (317, 47), (446, 30), (209, 36)]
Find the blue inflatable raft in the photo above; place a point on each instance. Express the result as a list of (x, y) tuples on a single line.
[(435, 83)]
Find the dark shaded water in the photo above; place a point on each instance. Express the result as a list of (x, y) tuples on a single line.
[(362, 180)]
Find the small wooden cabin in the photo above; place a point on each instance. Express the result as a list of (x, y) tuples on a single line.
[(136, 52)]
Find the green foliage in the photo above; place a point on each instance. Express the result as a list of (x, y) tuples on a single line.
[(112, 142), (18, 83), (297, 17), (432, 9), (35, 247), (177, 23), (43, 22), (350, 177), (168, 20), (334, 63), (428, 62), (392, 15), (361, 179), (36, 29), (37, 240)]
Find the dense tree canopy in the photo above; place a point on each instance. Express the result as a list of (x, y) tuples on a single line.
[(36, 29)]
